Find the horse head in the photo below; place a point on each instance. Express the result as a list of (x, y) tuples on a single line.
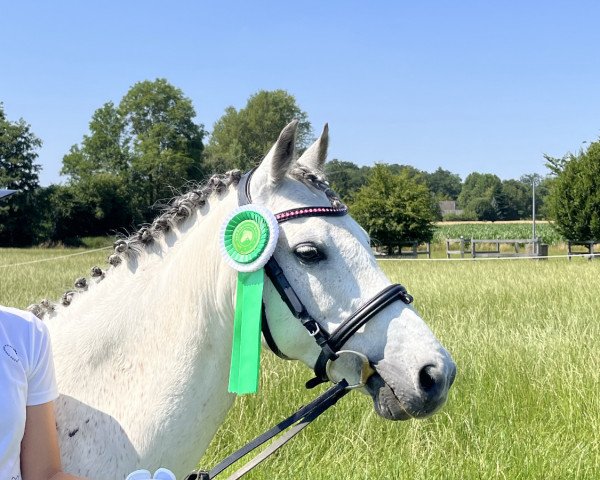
[(330, 265)]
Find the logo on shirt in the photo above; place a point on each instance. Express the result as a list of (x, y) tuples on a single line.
[(11, 352)]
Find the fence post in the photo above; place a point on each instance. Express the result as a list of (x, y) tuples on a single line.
[(542, 250)]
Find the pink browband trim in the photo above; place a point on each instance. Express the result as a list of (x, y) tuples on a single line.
[(311, 212)]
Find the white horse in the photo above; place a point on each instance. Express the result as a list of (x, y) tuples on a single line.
[(142, 356)]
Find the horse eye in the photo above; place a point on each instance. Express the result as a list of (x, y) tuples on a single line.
[(308, 253)]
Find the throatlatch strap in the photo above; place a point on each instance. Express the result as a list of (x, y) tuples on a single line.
[(268, 336), (243, 189)]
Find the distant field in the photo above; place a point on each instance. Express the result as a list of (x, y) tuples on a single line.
[(495, 230), (525, 404)]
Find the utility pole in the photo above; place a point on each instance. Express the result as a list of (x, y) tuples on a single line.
[(533, 208)]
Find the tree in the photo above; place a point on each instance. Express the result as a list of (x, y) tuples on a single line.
[(503, 209), (478, 185), (346, 178), (106, 150), (444, 184), (518, 195), (574, 199), (97, 198), (18, 171), (394, 209), (477, 193), (167, 144), (409, 170), (240, 139), (542, 190), (137, 153)]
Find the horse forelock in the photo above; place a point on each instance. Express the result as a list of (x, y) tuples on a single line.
[(315, 179), (179, 209)]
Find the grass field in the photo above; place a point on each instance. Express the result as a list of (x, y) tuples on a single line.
[(525, 405)]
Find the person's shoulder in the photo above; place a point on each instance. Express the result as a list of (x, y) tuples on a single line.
[(20, 320), (24, 334), (16, 315)]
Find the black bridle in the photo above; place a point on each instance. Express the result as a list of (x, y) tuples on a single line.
[(330, 344)]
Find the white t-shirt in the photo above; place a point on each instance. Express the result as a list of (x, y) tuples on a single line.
[(26, 378)]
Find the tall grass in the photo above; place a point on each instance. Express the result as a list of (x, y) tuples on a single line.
[(525, 404)]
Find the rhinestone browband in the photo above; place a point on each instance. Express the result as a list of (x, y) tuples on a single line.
[(311, 212)]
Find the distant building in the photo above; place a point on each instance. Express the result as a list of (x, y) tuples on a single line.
[(449, 206)]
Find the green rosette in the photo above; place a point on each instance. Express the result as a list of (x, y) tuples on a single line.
[(248, 239)]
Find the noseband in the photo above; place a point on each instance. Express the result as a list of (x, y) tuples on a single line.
[(330, 343)]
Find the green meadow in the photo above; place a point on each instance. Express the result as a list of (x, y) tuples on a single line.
[(525, 335)]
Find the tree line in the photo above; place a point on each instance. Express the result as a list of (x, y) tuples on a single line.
[(147, 148), (481, 196)]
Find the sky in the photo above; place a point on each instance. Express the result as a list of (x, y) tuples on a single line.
[(463, 85)]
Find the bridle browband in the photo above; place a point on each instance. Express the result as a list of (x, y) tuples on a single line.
[(330, 344)]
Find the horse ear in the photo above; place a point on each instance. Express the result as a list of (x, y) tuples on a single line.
[(281, 156), (315, 155)]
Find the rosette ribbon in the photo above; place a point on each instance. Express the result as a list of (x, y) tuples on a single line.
[(248, 239)]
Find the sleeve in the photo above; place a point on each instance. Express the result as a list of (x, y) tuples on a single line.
[(41, 378)]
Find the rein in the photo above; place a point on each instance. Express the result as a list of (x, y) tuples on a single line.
[(297, 421), (330, 344)]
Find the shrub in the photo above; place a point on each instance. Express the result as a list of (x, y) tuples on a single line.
[(395, 209), (574, 201)]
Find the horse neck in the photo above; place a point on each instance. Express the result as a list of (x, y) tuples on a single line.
[(156, 329)]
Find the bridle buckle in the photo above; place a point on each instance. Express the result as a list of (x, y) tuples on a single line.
[(315, 331)]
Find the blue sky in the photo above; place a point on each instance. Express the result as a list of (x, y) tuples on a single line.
[(468, 86)]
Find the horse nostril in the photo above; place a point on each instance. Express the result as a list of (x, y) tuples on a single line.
[(426, 379)]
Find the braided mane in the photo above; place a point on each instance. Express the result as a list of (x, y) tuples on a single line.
[(179, 209)]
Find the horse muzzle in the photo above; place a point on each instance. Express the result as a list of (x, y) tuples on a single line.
[(406, 398)]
